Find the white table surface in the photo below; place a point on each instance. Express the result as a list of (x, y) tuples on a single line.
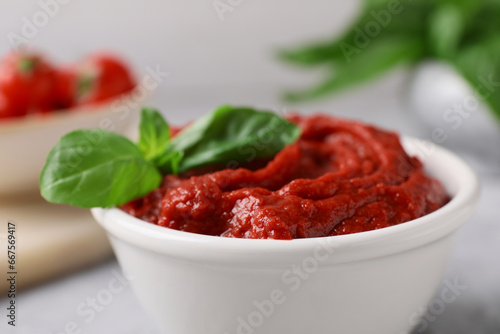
[(475, 261)]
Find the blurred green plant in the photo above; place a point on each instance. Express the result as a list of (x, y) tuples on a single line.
[(387, 33)]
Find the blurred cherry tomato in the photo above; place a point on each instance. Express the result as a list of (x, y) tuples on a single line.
[(101, 77), (14, 81), (42, 86), (27, 81), (9, 109), (65, 88)]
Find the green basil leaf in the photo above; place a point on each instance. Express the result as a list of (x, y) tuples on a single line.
[(96, 168), (479, 64), (382, 55), (170, 162), (482, 20), (378, 20), (231, 134), (446, 26), (154, 133)]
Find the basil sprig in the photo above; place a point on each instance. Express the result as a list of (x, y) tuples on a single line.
[(462, 33), (98, 168), (231, 135), (154, 133)]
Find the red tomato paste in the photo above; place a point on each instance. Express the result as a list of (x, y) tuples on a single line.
[(340, 177)]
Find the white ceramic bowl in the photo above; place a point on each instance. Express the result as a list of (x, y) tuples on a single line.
[(26, 142), (370, 282)]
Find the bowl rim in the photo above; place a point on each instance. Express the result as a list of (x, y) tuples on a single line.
[(362, 245), (32, 121)]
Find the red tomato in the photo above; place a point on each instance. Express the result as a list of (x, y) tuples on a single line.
[(43, 86), (27, 81), (9, 109), (14, 82), (101, 77), (65, 88)]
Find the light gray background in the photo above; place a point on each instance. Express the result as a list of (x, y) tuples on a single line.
[(212, 62)]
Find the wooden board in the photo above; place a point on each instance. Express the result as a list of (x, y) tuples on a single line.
[(51, 240)]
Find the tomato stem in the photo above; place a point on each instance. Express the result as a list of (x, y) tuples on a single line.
[(27, 65)]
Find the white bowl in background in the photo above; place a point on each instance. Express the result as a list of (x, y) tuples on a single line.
[(26, 142), (370, 282), (455, 115)]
